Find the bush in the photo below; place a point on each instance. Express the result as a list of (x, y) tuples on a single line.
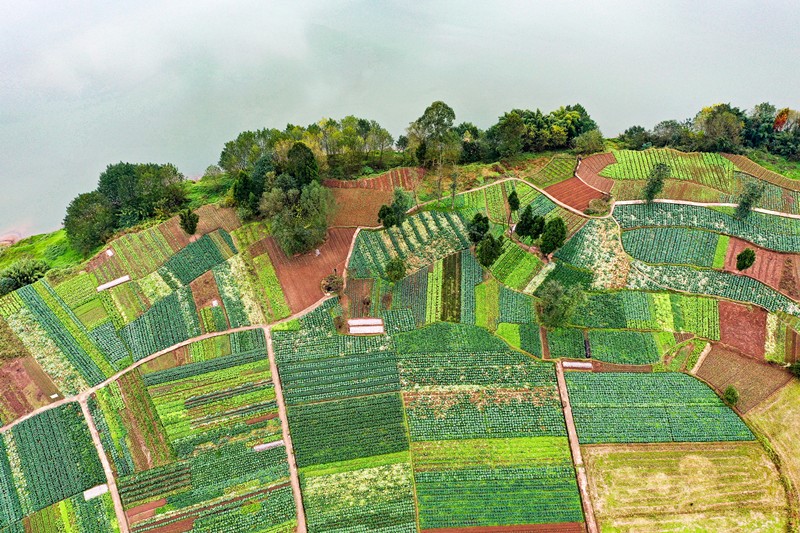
[(745, 259), (189, 220), (730, 396), (555, 232), (21, 273), (558, 304), (478, 227), (597, 206), (489, 249), (655, 182), (395, 269), (589, 142)]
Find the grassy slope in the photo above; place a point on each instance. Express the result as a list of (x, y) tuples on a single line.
[(678, 487), (781, 165), (54, 248)]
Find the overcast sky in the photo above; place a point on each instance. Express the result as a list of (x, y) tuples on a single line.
[(85, 84)]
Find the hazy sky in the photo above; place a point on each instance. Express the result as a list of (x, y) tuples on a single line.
[(85, 84)]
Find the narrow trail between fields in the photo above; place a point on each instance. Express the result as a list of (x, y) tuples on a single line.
[(575, 448), (294, 477), (119, 510)]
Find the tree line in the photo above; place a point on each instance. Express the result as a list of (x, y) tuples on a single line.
[(724, 128)]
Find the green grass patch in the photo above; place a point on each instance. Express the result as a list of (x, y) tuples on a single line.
[(721, 251)]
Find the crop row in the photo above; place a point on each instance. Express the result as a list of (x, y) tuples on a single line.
[(708, 169), (770, 231), (515, 267), (198, 257), (659, 407), (674, 245), (629, 347), (420, 240)]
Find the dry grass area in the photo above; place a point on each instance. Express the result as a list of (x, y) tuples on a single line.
[(778, 419), (685, 487)]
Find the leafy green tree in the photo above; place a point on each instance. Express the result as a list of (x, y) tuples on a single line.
[(731, 396), (513, 201), (537, 226), (525, 224), (655, 181), (745, 259), (188, 221), (395, 213), (750, 196), (395, 269), (89, 222), (721, 127), (636, 138), (589, 142), (478, 227), (136, 192), (510, 134), (21, 273), (302, 164), (241, 188), (557, 304), (489, 249), (553, 236)]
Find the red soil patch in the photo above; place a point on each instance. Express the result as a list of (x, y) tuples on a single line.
[(589, 171), (755, 380), (144, 511), (24, 387), (574, 193), (358, 207), (262, 418), (301, 275), (205, 290), (181, 526), (743, 328), (177, 357), (562, 527), (545, 344), (775, 269), (406, 177)]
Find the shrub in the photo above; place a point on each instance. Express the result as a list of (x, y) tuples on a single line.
[(333, 284), (489, 249), (745, 259), (655, 181), (555, 231), (478, 227), (558, 304), (189, 220), (395, 269), (730, 396)]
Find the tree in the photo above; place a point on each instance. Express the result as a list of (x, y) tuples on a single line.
[(510, 135), (302, 164), (553, 236), (395, 213), (136, 192), (730, 396), (477, 228), (589, 142), (720, 126), (89, 222), (557, 304), (21, 273), (188, 221), (745, 259), (537, 226), (241, 188), (489, 249), (750, 196), (395, 269), (655, 181), (513, 201), (636, 138), (525, 224)]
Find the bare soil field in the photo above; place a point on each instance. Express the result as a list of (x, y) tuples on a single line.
[(781, 271), (24, 387), (743, 328), (589, 171), (574, 192), (755, 380), (353, 299), (301, 275), (358, 207), (685, 487)]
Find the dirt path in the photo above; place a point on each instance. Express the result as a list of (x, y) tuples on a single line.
[(577, 458), (112, 484), (294, 477)]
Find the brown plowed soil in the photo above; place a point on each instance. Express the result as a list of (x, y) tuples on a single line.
[(574, 193), (406, 177), (144, 511), (562, 527), (205, 290), (353, 299), (589, 171), (24, 387), (743, 328), (755, 380), (301, 275), (545, 344), (358, 207), (781, 271)]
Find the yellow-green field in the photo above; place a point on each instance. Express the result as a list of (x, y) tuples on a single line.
[(685, 487)]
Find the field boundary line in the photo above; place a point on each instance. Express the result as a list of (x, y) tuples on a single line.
[(119, 510), (575, 448), (575, 173), (294, 477)]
